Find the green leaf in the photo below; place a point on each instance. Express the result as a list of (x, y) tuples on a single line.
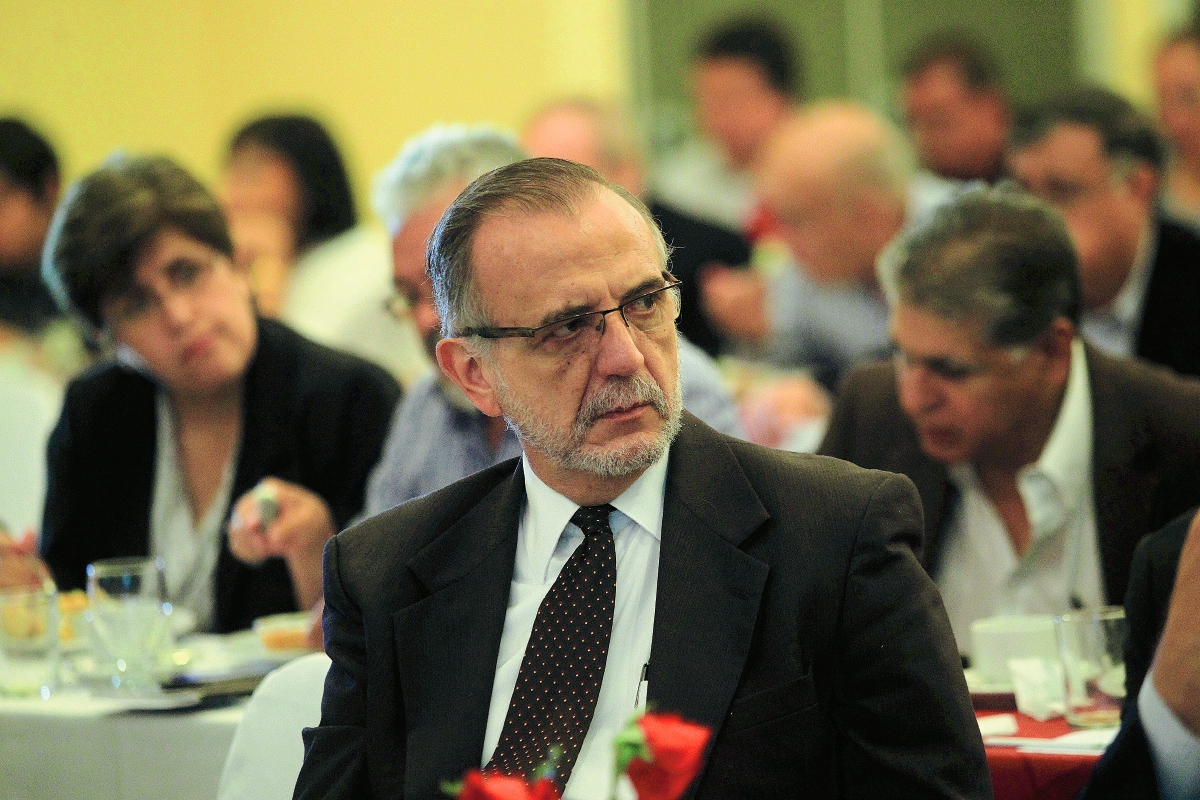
[(450, 788), (630, 744)]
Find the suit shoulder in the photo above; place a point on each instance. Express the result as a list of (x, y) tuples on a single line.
[(405, 529), (787, 473), (1156, 390)]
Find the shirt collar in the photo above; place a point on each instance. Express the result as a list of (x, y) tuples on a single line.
[(547, 512), (1058, 482), (1054, 487), (1126, 307)]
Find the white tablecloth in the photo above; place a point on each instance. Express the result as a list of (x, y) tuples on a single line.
[(75, 747)]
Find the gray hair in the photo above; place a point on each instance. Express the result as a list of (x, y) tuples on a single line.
[(435, 159), (998, 256), (537, 185)]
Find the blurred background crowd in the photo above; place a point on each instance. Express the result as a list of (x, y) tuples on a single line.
[(782, 146)]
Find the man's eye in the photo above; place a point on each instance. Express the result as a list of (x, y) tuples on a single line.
[(184, 273), (951, 370), (642, 305), (569, 328)]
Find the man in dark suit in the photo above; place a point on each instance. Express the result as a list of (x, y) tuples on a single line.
[(1098, 160), (1040, 461), (1157, 750), (771, 596)]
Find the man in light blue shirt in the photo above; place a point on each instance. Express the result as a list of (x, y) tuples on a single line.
[(437, 436)]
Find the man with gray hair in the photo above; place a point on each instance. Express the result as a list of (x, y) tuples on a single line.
[(1040, 461), (437, 436), (841, 185), (632, 556)]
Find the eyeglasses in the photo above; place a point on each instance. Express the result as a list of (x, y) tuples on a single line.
[(183, 276), (952, 370), (581, 332)]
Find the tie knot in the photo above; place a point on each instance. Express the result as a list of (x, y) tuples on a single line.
[(593, 519)]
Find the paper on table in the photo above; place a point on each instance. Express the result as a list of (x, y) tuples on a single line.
[(997, 725)]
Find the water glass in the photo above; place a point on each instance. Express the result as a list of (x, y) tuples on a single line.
[(1091, 644), (29, 654), (127, 612)]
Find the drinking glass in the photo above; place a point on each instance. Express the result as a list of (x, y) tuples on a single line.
[(28, 641), (1091, 644), (131, 624)]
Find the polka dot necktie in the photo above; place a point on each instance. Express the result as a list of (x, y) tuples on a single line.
[(556, 690)]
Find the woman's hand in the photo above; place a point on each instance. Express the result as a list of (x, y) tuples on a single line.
[(19, 562), (281, 519)]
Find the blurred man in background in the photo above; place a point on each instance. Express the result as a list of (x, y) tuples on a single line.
[(1095, 158), (1177, 85), (29, 186), (956, 108), (744, 79), (840, 182), (1040, 461), (601, 137)]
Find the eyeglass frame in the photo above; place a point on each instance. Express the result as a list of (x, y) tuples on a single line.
[(530, 333)]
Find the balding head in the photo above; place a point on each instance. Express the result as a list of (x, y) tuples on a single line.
[(591, 133), (836, 176)]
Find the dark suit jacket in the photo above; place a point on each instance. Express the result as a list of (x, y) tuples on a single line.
[(1127, 772), (311, 415), (1170, 326), (791, 616), (1145, 453)]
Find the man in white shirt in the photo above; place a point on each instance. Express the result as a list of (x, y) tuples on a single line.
[(1040, 461), (631, 556)]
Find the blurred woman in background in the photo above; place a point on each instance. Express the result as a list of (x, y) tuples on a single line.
[(202, 402), (294, 227)]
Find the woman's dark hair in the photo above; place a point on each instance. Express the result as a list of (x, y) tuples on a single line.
[(107, 220), (326, 203)]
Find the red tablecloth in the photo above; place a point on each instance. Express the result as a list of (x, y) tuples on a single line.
[(1037, 776)]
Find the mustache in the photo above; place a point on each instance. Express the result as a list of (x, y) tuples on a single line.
[(636, 390)]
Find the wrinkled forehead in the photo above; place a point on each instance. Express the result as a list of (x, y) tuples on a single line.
[(527, 260)]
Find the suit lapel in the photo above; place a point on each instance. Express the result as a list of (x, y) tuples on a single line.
[(447, 644), (1124, 474), (709, 591)]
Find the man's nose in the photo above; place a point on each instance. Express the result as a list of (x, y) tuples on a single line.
[(177, 307), (426, 318), (618, 352)]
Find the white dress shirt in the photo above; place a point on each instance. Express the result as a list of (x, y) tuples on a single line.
[(545, 541), (1114, 329), (980, 574), (190, 549), (1174, 749)]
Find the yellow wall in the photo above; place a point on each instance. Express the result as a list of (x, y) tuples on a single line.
[(177, 76)]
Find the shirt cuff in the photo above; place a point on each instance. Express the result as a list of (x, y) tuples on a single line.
[(1174, 749)]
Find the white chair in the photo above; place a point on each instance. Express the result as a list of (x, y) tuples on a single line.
[(267, 751)]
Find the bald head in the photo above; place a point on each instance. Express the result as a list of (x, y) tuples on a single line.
[(589, 133), (836, 176)]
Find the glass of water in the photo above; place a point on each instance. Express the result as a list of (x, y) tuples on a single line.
[(28, 641), (127, 598), (1091, 643)]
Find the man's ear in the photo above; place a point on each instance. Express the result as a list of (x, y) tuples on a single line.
[(1055, 342), (463, 365)]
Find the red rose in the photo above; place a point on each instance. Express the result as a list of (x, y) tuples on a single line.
[(478, 786), (676, 749)]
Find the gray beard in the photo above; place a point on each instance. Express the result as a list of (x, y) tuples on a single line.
[(566, 448)]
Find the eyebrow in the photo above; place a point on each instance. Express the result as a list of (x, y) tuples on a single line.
[(648, 285)]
